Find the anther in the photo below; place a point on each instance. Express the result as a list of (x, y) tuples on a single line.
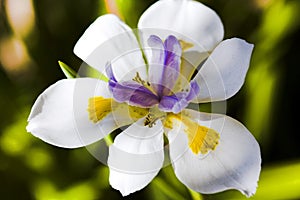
[(154, 115), (138, 79)]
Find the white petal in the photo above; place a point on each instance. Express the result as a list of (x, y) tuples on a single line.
[(188, 20), (224, 72), (60, 117), (136, 157), (234, 164), (108, 39)]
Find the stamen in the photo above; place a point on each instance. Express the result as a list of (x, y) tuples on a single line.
[(150, 120), (146, 84), (138, 79), (154, 115)]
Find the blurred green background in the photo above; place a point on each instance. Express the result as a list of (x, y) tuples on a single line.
[(35, 34)]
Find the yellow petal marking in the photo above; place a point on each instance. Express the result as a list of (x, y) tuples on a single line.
[(201, 139), (99, 107), (137, 112), (185, 45)]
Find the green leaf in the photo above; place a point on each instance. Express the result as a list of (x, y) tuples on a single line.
[(108, 140), (68, 71), (88, 71), (195, 195)]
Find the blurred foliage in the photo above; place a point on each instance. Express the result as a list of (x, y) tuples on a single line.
[(35, 35)]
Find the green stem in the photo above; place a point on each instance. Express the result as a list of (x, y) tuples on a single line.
[(195, 195), (108, 140)]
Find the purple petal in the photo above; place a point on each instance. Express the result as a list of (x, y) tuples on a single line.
[(164, 64), (174, 103), (172, 52), (109, 72), (157, 47), (156, 63), (133, 94), (194, 91), (177, 102)]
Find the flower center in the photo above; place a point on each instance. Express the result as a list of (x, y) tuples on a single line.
[(157, 91), (154, 115)]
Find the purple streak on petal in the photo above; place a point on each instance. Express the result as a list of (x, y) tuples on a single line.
[(156, 63), (177, 102), (194, 91), (157, 47), (166, 104), (164, 64), (174, 103), (111, 85), (109, 72), (133, 94), (172, 52), (171, 63)]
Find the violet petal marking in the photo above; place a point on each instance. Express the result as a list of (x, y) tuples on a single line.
[(194, 91), (109, 72), (133, 94), (156, 63), (164, 64), (177, 102), (173, 103), (172, 53), (171, 64), (130, 91), (167, 103)]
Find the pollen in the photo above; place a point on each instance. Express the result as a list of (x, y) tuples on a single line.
[(99, 107), (201, 139)]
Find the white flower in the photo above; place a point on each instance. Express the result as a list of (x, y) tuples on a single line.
[(209, 152)]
